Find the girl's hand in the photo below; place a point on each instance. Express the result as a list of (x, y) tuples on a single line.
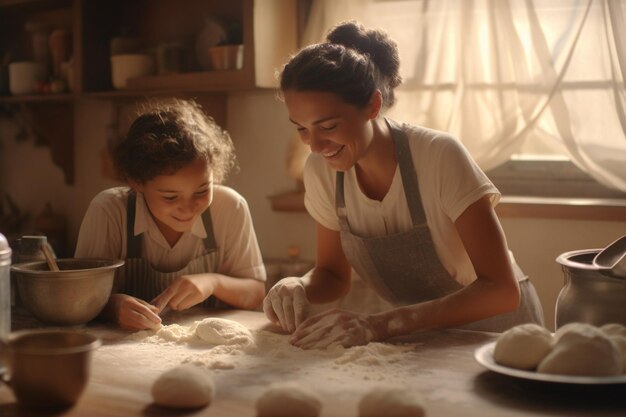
[(286, 304), (185, 292), (132, 313), (334, 328)]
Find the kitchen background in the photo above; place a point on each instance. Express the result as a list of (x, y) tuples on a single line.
[(31, 184)]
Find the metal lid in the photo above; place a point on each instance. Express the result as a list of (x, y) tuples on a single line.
[(5, 251)]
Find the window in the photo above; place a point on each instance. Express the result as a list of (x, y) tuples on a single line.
[(533, 88)]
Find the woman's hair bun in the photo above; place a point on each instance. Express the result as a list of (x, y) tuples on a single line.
[(376, 44)]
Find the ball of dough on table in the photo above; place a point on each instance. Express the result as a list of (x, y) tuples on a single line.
[(582, 350), (288, 399), (218, 331), (523, 346), (185, 386), (391, 402)]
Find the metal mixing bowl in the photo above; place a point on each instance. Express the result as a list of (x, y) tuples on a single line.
[(74, 295)]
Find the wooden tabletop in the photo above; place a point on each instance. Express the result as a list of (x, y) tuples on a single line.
[(439, 366)]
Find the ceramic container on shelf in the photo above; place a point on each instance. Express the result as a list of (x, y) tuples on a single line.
[(23, 76), (126, 66), (211, 34), (226, 57)]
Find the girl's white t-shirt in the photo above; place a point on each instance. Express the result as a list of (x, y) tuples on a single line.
[(103, 234), (449, 182)]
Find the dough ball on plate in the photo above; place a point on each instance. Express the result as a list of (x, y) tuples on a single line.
[(391, 402), (288, 399), (218, 331), (582, 350), (617, 333), (185, 386), (523, 346), (614, 329)]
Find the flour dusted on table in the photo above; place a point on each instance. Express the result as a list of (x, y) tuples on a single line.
[(373, 354), (224, 345), (391, 402), (174, 333)]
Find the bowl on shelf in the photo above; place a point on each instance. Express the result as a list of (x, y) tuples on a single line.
[(226, 57), (128, 66), (72, 296)]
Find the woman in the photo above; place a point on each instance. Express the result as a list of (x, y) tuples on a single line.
[(404, 206), (185, 239)]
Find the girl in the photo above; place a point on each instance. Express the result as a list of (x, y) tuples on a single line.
[(184, 238), (404, 206)]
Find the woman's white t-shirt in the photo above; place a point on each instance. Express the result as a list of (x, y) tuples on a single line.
[(449, 182), (103, 234)]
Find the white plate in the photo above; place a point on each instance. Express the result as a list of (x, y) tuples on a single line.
[(484, 356)]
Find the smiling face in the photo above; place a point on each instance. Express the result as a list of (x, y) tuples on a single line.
[(175, 201), (339, 131)]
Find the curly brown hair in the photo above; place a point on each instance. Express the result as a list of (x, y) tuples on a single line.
[(168, 135)]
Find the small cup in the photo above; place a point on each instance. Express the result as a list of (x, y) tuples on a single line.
[(47, 368), (226, 57), (23, 77)]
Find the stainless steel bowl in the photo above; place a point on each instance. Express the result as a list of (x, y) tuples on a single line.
[(74, 295), (589, 295)]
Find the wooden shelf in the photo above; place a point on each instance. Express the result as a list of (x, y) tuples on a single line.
[(511, 207), (37, 98), (195, 81), (93, 24)]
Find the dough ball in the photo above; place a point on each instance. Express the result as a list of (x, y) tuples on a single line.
[(218, 331), (582, 350), (617, 333), (288, 399), (185, 386), (391, 402), (574, 327), (523, 346), (614, 329)]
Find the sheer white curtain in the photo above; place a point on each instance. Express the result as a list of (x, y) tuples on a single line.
[(500, 73)]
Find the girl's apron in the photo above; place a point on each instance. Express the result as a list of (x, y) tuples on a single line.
[(404, 267), (140, 280)]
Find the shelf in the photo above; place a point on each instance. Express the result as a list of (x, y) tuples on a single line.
[(195, 81), (154, 23), (93, 24), (586, 209), (37, 98)]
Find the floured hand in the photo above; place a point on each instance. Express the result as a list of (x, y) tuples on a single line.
[(334, 328), (185, 292), (133, 313), (286, 304)]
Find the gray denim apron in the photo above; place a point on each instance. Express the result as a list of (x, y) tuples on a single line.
[(141, 280), (404, 267)]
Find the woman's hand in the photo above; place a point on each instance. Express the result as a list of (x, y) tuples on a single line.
[(132, 313), (334, 328), (286, 304), (186, 291)]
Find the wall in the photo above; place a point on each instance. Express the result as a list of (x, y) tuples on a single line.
[(260, 129)]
